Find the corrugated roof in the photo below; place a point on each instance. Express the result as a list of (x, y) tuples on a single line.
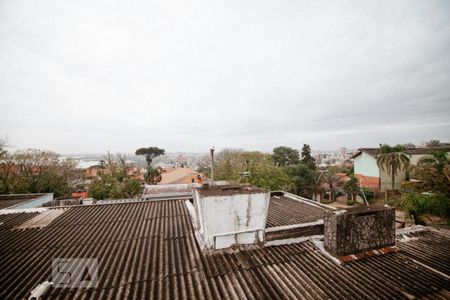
[(9, 221), (148, 250), (287, 211)]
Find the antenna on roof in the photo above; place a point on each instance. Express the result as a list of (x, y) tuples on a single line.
[(212, 166)]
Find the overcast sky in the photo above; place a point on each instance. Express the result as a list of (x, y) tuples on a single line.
[(91, 76)]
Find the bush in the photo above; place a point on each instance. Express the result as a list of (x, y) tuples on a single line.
[(370, 195), (417, 205)]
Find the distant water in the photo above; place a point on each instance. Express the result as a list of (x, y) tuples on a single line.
[(84, 163)]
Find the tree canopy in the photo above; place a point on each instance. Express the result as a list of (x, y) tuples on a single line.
[(304, 180), (150, 153), (256, 168), (285, 156), (38, 171), (115, 183), (307, 159), (433, 173), (392, 160)]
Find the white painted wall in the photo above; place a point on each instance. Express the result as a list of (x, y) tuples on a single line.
[(232, 219), (366, 165)]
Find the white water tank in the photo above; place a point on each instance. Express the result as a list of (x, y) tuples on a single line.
[(230, 215)]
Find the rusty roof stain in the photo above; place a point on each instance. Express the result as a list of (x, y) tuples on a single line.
[(148, 250)]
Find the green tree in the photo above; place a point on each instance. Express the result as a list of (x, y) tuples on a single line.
[(332, 178), (153, 175), (307, 159), (150, 153), (431, 173), (8, 178), (285, 156), (268, 176), (351, 187), (416, 205), (37, 171), (392, 160), (131, 188), (34, 165), (115, 182), (105, 187), (259, 169), (433, 143), (303, 179)]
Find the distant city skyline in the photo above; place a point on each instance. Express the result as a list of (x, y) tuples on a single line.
[(87, 77)]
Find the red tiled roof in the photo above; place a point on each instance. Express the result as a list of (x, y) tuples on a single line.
[(368, 181)]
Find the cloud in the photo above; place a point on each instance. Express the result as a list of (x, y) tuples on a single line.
[(92, 76)]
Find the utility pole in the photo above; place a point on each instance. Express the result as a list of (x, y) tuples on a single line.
[(212, 166), (362, 192)]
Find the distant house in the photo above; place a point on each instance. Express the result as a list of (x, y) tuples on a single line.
[(180, 175), (97, 170), (372, 177), (80, 194)]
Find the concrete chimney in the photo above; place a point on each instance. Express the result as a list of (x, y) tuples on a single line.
[(230, 215), (359, 229)]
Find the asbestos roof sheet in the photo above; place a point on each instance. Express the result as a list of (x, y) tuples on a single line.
[(148, 250), (285, 211)]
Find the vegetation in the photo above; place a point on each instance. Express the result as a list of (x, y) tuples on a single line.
[(150, 153), (153, 175), (285, 156), (433, 143), (368, 194), (304, 180), (107, 186), (256, 168), (433, 174), (351, 188), (37, 171), (333, 180), (114, 183), (392, 160), (307, 159), (416, 205)]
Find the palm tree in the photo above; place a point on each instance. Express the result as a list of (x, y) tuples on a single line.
[(393, 160), (333, 180), (153, 175), (437, 160)]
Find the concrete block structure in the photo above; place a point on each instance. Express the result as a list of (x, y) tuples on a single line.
[(359, 229)]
